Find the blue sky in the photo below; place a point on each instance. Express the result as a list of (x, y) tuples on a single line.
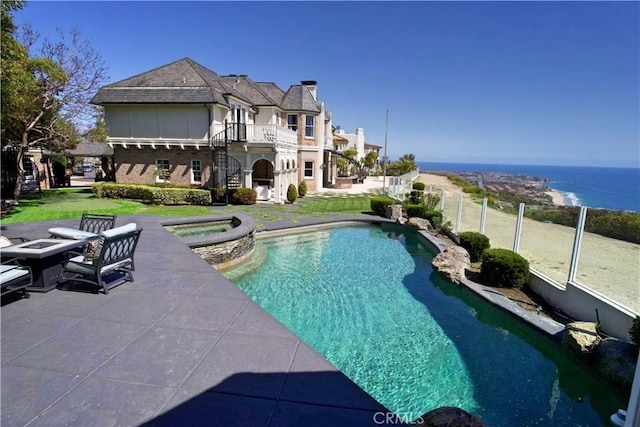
[(552, 83)]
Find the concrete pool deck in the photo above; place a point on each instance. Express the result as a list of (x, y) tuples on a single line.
[(179, 346)]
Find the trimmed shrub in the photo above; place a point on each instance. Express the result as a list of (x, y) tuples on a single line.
[(419, 186), (302, 188), (422, 211), (416, 197), (292, 193), (244, 196), (504, 268), (434, 217), (379, 204), (415, 211), (475, 243), (152, 194)]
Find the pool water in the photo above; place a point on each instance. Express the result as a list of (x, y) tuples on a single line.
[(367, 299), (201, 229)]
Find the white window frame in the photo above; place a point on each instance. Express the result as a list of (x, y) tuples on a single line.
[(290, 125), (308, 126), (309, 169), (196, 166), (166, 165)]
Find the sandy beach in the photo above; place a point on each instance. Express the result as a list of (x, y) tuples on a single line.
[(557, 198)]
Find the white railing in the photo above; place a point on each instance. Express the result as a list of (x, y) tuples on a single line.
[(279, 136), (400, 185)]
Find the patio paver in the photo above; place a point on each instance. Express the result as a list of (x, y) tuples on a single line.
[(179, 346)]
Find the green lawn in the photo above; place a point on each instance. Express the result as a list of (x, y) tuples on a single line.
[(71, 203)]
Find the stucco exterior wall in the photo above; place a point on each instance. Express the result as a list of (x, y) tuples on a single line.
[(183, 122), (138, 166)]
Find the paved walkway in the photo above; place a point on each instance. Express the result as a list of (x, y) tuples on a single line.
[(180, 346)]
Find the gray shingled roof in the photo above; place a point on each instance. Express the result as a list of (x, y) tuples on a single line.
[(187, 82), (299, 98)]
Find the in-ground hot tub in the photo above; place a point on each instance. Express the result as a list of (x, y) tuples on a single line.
[(222, 241)]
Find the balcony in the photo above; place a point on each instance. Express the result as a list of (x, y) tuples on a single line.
[(276, 136)]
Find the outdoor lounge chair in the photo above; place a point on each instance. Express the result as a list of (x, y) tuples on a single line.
[(113, 252), (14, 277), (91, 225)]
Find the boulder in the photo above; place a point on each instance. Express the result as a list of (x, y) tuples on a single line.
[(452, 263), (581, 337), (420, 223), (448, 416), (394, 212), (616, 361)]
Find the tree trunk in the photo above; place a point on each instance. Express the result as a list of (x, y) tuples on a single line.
[(24, 146)]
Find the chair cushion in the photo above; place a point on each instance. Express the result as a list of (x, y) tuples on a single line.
[(71, 233), (120, 230), (5, 242), (13, 274)]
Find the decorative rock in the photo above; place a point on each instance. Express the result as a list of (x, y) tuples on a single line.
[(448, 416), (420, 223), (580, 336), (394, 212), (452, 263), (616, 361)]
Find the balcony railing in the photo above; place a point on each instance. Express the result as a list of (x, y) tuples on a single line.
[(279, 136)]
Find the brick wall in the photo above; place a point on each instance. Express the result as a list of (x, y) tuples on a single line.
[(138, 165)]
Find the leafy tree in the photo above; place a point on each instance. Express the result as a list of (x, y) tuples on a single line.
[(370, 159), (46, 88), (97, 133), (405, 164)]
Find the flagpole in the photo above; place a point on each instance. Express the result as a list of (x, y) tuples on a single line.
[(384, 158)]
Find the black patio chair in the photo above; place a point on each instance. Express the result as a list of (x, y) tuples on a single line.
[(91, 225), (114, 251)]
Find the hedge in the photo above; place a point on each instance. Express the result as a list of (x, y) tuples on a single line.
[(244, 196), (475, 243), (379, 204), (419, 186), (152, 194), (504, 268), (422, 211)]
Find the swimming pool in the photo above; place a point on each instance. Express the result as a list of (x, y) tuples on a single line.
[(367, 299)]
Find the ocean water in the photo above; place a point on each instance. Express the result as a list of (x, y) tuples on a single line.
[(595, 187)]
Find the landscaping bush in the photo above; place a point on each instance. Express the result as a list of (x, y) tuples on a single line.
[(244, 196), (379, 204), (504, 268), (418, 186), (434, 217), (416, 197), (302, 188), (292, 193), (152, 194), (414, 210), (475, 243), (423, 211)]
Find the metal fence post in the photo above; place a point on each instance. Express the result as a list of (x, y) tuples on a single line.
[(483, 215), (459, 217), (442, 197), (516, 238), (577, 244)]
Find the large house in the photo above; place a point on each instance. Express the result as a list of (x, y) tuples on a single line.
[(188, 125)]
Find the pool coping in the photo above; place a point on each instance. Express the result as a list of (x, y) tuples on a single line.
[(246, 227)]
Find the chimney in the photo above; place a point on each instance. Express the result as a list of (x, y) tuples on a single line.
[(312, 85)]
